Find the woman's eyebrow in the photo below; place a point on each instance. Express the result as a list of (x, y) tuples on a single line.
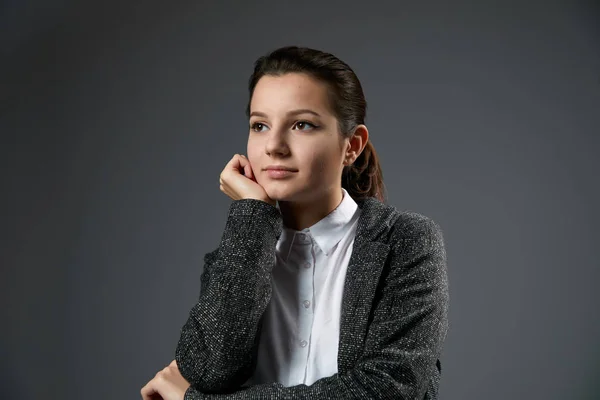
[(289, 113)]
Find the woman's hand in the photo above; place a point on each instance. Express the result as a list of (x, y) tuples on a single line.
[(167, 384), (238, 182)]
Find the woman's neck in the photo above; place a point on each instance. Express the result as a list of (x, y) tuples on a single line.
[(301, 215)]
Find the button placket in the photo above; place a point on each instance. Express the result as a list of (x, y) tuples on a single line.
[(305, 294)]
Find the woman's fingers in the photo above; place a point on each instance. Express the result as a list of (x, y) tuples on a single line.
[(237, 181), (148, 392), (234, 168), (237, 163), (226, 187), (245, 165), (248, 171), (238, 167)]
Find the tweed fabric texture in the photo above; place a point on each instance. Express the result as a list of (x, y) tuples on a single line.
[(394, 309)]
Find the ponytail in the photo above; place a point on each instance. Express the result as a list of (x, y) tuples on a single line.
[(364, 178)]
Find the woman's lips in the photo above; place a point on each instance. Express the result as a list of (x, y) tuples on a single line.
[(279, 173)]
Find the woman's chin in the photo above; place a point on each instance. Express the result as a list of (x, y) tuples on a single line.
[(279, 194)]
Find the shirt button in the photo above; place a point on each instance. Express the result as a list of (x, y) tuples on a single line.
[(306, 303), (303, 343), (307, 265), (302, 238)]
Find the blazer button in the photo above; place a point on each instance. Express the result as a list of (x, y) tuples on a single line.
[(303, 343)]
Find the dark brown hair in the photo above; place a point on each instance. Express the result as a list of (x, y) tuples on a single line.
[(364, 177)]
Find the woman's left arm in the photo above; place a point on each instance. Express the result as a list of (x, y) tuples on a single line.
[(405, 338)]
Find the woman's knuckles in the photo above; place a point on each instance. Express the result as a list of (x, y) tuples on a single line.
[(236, 180)]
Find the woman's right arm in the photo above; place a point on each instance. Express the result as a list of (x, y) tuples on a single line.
[(216, 348)]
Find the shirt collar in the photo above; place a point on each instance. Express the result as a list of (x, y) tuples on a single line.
[(327, 232)]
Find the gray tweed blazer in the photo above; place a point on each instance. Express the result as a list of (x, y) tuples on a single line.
[(394, 310)]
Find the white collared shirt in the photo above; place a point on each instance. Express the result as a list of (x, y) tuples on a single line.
[(301, 327)]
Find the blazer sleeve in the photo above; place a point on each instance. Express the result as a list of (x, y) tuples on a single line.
[(406, 335), (215, 351)]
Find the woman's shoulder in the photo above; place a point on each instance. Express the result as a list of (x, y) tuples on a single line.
[(412, 222), (400, 226), (417, 232), (404, 222)]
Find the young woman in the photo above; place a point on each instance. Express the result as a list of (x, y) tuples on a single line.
[(318, 289)]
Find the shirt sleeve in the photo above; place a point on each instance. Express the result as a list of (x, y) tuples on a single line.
[(216, 347), (405, 338)]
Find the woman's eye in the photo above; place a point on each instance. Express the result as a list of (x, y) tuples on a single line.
[(300, 125), (303, 124), (257, 127)]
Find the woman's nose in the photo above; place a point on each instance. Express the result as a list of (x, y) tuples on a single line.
[(277, 142)]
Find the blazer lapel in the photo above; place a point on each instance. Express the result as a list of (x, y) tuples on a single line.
[(362, 277), (369, 255)]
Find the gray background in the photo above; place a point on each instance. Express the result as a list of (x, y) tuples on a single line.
[(117, 119)]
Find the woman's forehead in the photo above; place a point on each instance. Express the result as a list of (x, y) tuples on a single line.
[(281, 94)]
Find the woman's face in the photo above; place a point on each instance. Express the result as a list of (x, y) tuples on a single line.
[(292, 125)]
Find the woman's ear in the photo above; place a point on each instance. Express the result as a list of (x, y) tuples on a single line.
[(356, 144)]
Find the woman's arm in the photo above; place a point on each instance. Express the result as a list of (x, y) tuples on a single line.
[(405, 337), (215, 352)]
